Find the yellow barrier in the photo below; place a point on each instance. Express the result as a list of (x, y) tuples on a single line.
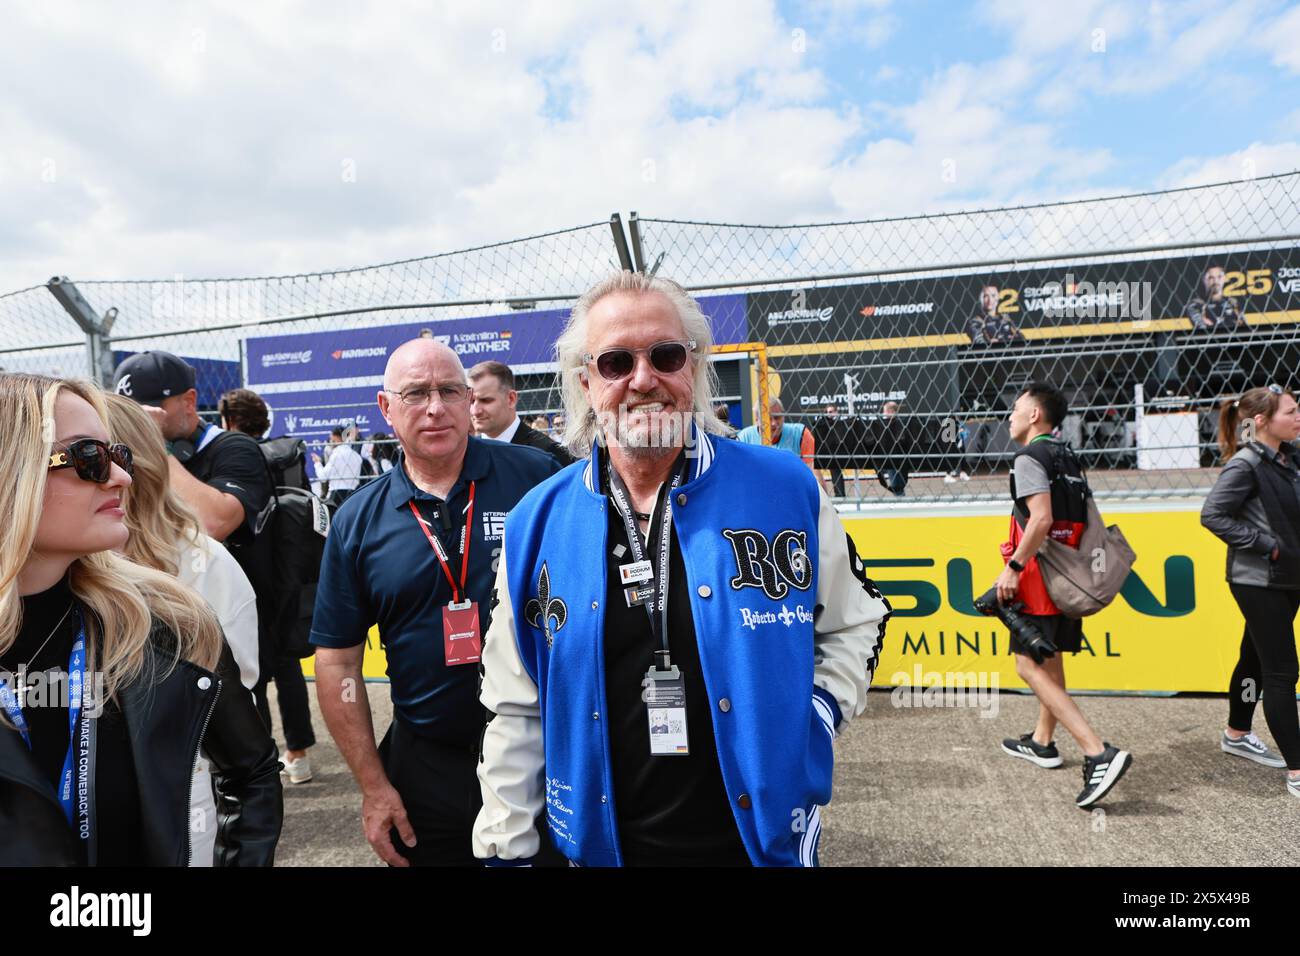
[(1175, 626)]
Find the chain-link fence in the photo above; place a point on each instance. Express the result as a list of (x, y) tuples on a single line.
[(898, 343), (902, 343)]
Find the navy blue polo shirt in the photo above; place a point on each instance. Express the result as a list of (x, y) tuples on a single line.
[(380, 569)]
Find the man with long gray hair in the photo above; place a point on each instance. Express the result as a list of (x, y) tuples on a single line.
[(671, 655)]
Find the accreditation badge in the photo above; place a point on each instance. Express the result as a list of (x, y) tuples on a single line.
[(461, 640)]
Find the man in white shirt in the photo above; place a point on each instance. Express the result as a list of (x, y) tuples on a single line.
[(342, 470)]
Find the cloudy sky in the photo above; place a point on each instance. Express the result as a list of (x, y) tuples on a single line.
[(146, 140)]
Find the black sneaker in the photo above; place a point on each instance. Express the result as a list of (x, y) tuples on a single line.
[(1027, 748), (1102, 772)]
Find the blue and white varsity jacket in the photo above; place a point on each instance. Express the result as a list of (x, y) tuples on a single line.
[(788, 627)]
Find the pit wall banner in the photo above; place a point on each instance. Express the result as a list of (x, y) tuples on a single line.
[(1174, 627), (1209, 294)]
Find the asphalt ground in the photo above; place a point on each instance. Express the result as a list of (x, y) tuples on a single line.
[(930, 786)]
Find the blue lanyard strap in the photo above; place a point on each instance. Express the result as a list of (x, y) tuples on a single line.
[(76, 685)]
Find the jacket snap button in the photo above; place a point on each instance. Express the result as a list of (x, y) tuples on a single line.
[(724, 705), (594, 605), (602, 798), (681, 499), (205, 683), (596, 715), (744, 801), (704, 590)]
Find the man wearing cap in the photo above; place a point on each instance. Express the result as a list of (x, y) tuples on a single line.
[(221, 474)]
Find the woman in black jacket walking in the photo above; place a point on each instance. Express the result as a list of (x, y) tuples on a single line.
[(1255, 508), (113, 676)]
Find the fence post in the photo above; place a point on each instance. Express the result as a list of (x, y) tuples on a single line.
[(99, 351), (634, 227), (620, 242)]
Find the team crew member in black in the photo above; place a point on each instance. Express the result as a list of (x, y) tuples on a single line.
[(1255, 508), (1049, 492), (221, 474), (493, 410), (415, 551), (160, 685)]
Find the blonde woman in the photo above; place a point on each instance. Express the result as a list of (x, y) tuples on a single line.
[(165, 535), (160, 685)]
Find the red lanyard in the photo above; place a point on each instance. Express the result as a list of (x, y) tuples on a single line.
[(438, 551)]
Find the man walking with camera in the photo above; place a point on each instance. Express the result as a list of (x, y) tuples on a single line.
[(1049, 495)]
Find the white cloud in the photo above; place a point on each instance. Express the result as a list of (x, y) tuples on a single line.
[(1257, 159)]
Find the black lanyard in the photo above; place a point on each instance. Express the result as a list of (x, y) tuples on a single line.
[(660, 544)]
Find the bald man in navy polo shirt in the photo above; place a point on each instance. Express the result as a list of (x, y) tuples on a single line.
[(398, 556)]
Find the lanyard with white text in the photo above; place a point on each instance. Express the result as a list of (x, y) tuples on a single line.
[(458, 592), (78, 728), (660, 543)]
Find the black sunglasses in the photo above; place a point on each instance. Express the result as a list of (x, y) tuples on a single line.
[(665, 357), (93, 459)]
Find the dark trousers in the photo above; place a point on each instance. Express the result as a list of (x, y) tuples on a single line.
[(438, 784), (291, 697), (837, 480), (1267, 665), (439, 787)]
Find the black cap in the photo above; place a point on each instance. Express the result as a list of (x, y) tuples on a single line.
[(151, 377)]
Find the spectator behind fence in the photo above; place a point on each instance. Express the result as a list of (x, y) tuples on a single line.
[(414, 552), (792, 437), (894, 446), (221, 475), (149, 650), (342, 467), (165, 536), (382, 452), (244, 410), (731, 741), (493, 411)]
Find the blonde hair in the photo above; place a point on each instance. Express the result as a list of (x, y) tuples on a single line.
[(122, 598), (580, 423), (155, 515)]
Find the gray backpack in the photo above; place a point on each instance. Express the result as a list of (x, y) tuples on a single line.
[(1082, 581)]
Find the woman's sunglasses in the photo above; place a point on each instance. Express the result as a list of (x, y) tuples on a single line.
[(666, 357), (93, 459)]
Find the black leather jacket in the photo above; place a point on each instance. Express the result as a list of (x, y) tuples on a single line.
[(169, 718)]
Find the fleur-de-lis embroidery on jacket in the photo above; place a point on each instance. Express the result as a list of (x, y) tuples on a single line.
[(540, 610)]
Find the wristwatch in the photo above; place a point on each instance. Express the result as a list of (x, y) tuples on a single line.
[(1015, 565)]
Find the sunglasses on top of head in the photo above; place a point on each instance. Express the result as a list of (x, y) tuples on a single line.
[(93, 459), (666, 357)]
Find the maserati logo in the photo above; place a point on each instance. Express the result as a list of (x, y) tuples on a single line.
[(291, 423), (540, 610)]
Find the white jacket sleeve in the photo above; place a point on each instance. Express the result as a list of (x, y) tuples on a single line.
[(849, 622), (511, 765)]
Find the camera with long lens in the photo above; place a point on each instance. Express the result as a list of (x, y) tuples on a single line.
[(1021, 628)]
